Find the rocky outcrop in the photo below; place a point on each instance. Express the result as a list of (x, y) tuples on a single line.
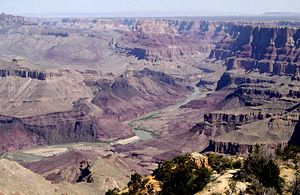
[(56, 128), (137, 92), (263, 93), (25, 73), (237, 148), (224, 81), (228, 78), (69, 167), (219, 123), (294, 94), (13, 135), (267, 49), (200, 160), (238, 119), (295, 138), (56, 34), (139, 53), (86, 174), (64, 127), (6, 20), (271, 136), (154, 40), (254, 89), (261, 109)]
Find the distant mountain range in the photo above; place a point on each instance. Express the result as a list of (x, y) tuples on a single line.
[(281, 14), (232, 15)]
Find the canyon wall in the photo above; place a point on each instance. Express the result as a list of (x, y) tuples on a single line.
[(137, 92), (268, 49), (6, 20), (165, 40), (25, 73)]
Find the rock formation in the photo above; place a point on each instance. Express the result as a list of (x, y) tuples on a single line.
[(23, 73), (137, 92), (85, 172), (267, 49), (6, 20)]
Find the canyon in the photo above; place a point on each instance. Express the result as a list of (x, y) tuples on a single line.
[(129, 93)]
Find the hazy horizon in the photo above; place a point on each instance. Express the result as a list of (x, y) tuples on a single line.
[(146, 7)]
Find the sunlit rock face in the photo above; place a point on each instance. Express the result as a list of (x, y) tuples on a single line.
[(267, 49)]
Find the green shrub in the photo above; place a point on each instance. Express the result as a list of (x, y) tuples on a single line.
[(263, 168), (237, 164), (296, 185), (182, 176), (114, 191), (221, 163), (290, 152), (136, 184), (232, 187), (257, 188)]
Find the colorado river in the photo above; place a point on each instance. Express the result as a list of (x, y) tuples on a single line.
[(142, 134)]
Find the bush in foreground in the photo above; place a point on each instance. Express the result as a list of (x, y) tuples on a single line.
[(289, 152), (221, 163), (182, 176), (296, 185), (261, 170)]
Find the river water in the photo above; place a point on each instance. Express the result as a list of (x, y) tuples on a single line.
[(146, 135)]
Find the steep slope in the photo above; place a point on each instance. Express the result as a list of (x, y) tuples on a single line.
[(137, 92), (163, 40), (266, 48), (259, 110), (270, 93), (70, 105), (19, 180)]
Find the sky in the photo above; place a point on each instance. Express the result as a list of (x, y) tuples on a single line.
[(199, 7)]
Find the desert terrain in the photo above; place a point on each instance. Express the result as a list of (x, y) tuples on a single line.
[(129, 93)]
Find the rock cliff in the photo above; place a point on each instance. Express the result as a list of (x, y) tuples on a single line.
[(137, 92), (269, 133), (259, 109), (56, 128), (6, 20), (238, 148), (265, 48), (25, 73), (165, 40)]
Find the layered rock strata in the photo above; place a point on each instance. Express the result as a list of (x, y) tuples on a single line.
[(265, 48)]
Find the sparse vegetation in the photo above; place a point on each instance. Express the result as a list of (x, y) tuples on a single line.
[(258, 188), (289, 152), (296, 185), (221, 163), (232, 187), (137, 184), (182, 176), (114, 191), (262, 171), (178, 176), (149, 117), (259, 173)]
